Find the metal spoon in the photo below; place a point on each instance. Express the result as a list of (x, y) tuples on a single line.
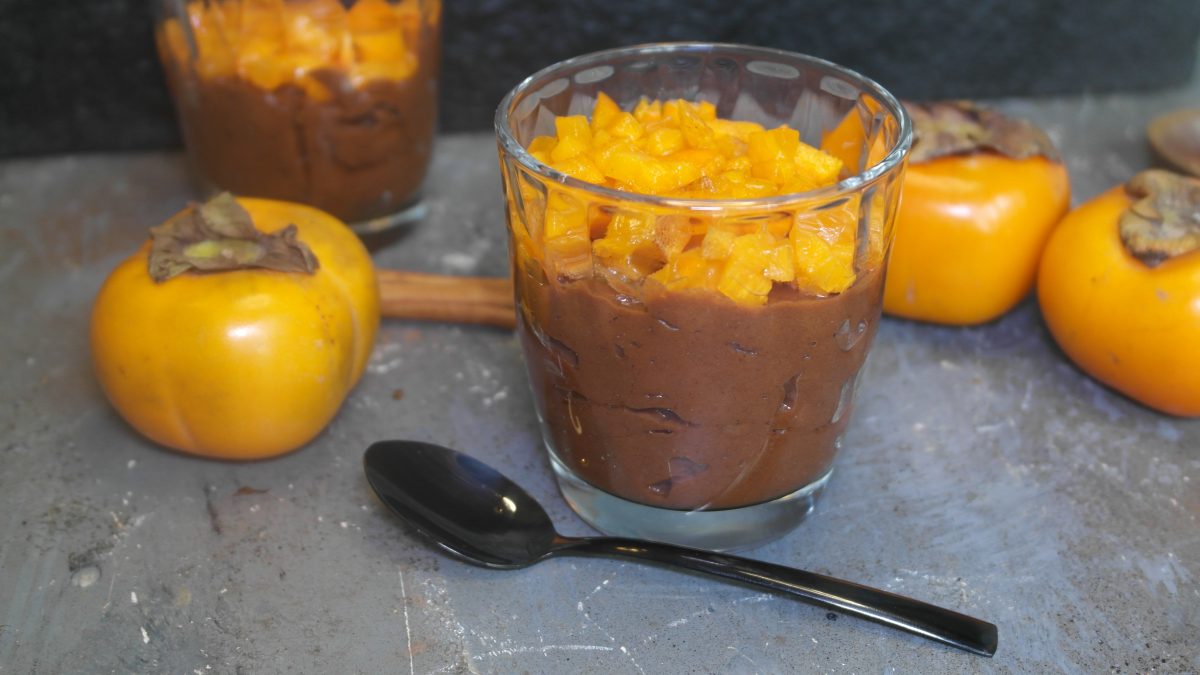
[(477, 514)]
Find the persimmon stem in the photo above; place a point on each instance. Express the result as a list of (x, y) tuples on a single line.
[(961, 128), (1164, 219), (219, 235)]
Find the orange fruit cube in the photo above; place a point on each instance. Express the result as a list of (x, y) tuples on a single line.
[(604, 111), (681, 149), (372, 16)]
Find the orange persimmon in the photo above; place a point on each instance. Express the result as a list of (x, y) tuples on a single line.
[(974, 215), (237, 331), (1120, 290)]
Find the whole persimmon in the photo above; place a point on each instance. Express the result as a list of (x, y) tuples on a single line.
[(980, 197), (1119, 287), (238, 329)]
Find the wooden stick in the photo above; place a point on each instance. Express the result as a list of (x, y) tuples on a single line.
[(436, 297)]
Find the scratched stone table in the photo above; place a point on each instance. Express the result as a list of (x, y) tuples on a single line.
[(982, 472)]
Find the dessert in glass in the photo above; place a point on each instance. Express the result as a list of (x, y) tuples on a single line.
[(321, 102), (698, 235)]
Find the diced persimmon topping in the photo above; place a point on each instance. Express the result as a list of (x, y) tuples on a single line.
[(272, 43), (681, 149)]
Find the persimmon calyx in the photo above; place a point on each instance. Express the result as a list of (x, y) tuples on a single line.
[(949, 128), (219, 235), (1164, 219)]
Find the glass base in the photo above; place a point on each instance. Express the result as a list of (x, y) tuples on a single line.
[(720, 530), (412, 212)]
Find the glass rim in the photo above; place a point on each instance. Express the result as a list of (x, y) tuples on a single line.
[(851, 184)]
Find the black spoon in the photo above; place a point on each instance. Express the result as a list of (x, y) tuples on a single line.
[(482, 517)]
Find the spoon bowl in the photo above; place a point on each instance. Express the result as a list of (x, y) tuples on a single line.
[(480, 516), (465, 506)]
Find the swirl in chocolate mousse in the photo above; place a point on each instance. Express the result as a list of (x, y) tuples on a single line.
[(689, 400)]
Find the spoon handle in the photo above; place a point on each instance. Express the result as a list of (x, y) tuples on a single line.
[(907, 614)]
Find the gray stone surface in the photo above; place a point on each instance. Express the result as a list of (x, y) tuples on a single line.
[(982, 472)]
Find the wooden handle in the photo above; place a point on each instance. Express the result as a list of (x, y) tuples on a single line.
[(437, 297)]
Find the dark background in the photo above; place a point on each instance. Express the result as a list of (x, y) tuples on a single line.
[(82, 74)]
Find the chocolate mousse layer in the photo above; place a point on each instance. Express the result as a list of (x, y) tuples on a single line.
[(687, 400), (359, 152)]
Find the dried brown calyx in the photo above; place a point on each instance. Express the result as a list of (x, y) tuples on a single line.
[(961, 127), (1164, 219), (1175, 136), (219, 235)]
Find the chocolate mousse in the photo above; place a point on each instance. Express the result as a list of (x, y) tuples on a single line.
[(361, 154), (686, 399)]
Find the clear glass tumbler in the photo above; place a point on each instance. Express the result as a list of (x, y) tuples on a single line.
[(324, 102), (677, 414)]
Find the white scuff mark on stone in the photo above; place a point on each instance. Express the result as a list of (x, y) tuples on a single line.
[(467, 260), (130, 464), (412, 669), (343, 524), (498, 396), (85, 576), (948, 365), (1027, 399), (1165, 571), (589, 620), (384, 358), (133, 597), (544, 650), (739, 652), (1167, 431), (386, 366), (111, 582), (145, 636), (599, 587), (1016, 470), (919, 426), (757, 597), (458, 261)]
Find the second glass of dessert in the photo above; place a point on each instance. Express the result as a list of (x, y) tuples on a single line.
[(699, 235), (328, 103)]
